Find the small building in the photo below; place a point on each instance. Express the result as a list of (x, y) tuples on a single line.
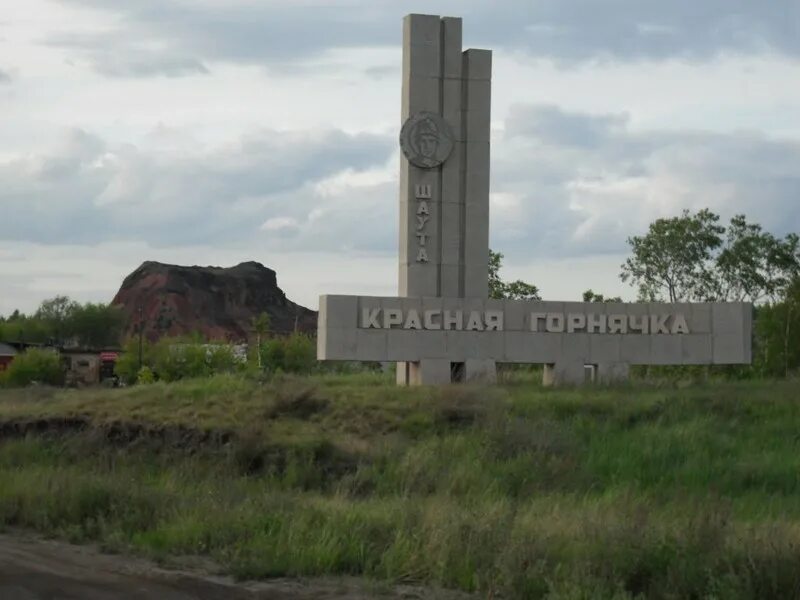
[(84, 366), (7, 354)]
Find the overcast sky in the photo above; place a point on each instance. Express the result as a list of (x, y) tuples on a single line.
[(219, 131)]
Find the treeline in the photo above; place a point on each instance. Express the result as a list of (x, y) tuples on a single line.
[(61, 320)]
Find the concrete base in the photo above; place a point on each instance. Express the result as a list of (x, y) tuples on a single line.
[(425, 372), (566, 373), (480, 371), (615, 372), (433, 371)]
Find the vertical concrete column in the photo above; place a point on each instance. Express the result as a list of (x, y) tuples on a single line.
[(422, 91), (564, 373), (476, 117), (452, 204), (477, 73)]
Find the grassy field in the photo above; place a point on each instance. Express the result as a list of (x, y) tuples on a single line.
[(515, 491)]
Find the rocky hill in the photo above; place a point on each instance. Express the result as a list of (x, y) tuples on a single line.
[(219, 303)]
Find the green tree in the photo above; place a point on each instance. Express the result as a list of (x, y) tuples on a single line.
[(675, 259), (300, 354), (694, 258), (55, 313), (261, 325), (514, 290), (23, 328), (590, 296), (95, 325), (753, 264), (35, 365), (777, 334), (127, 366)]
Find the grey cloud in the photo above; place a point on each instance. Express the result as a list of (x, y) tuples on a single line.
[(4, 77), (568, 184), (584, 183), (565, 30), (89, 192), (123, 54), (549, 123)]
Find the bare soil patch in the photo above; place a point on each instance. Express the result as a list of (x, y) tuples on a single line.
[(32, 568)]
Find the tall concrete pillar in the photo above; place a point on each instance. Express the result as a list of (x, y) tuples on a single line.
[(444, 197)]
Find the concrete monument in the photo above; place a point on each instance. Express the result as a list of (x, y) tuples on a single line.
[(443, 327)]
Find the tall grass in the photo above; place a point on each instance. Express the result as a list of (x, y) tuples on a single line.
[(515, 491)]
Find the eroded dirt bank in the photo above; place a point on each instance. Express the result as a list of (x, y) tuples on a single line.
[(32, 568)]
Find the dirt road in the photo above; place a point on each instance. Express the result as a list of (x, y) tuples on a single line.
[(35, 569)]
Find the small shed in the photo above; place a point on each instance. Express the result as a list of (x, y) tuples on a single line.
[(7, 354)]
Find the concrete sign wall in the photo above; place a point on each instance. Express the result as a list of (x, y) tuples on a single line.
[(568, 335)]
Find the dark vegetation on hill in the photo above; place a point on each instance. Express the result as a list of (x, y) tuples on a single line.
[(515, 491)]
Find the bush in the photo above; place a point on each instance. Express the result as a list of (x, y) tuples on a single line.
[(171, 359), (34, 365), (294, 354), (145, 375)]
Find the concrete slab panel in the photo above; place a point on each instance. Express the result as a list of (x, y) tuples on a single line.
[(476, 252), (477, 107), (371, 344), (699, 317), (516, 347), (424, 60), (451, 233), (421, 29), (452, 33), (477, 173), (450, 280), (582, 307), (338, 311), (453, 175), (729, 349), (575, 348), (517, 315), (635, 349), (604, 348), (403, 345), (453, 107), (462, 345), (543, 348), (422, 94), (418, 280), (697, 348), (370, 301), (477, 64), (476, 281), (431, 303), (464, 304), (665, 350), (491, 345), (432, 344), (389, 302), (337, 344), (728, 317)]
